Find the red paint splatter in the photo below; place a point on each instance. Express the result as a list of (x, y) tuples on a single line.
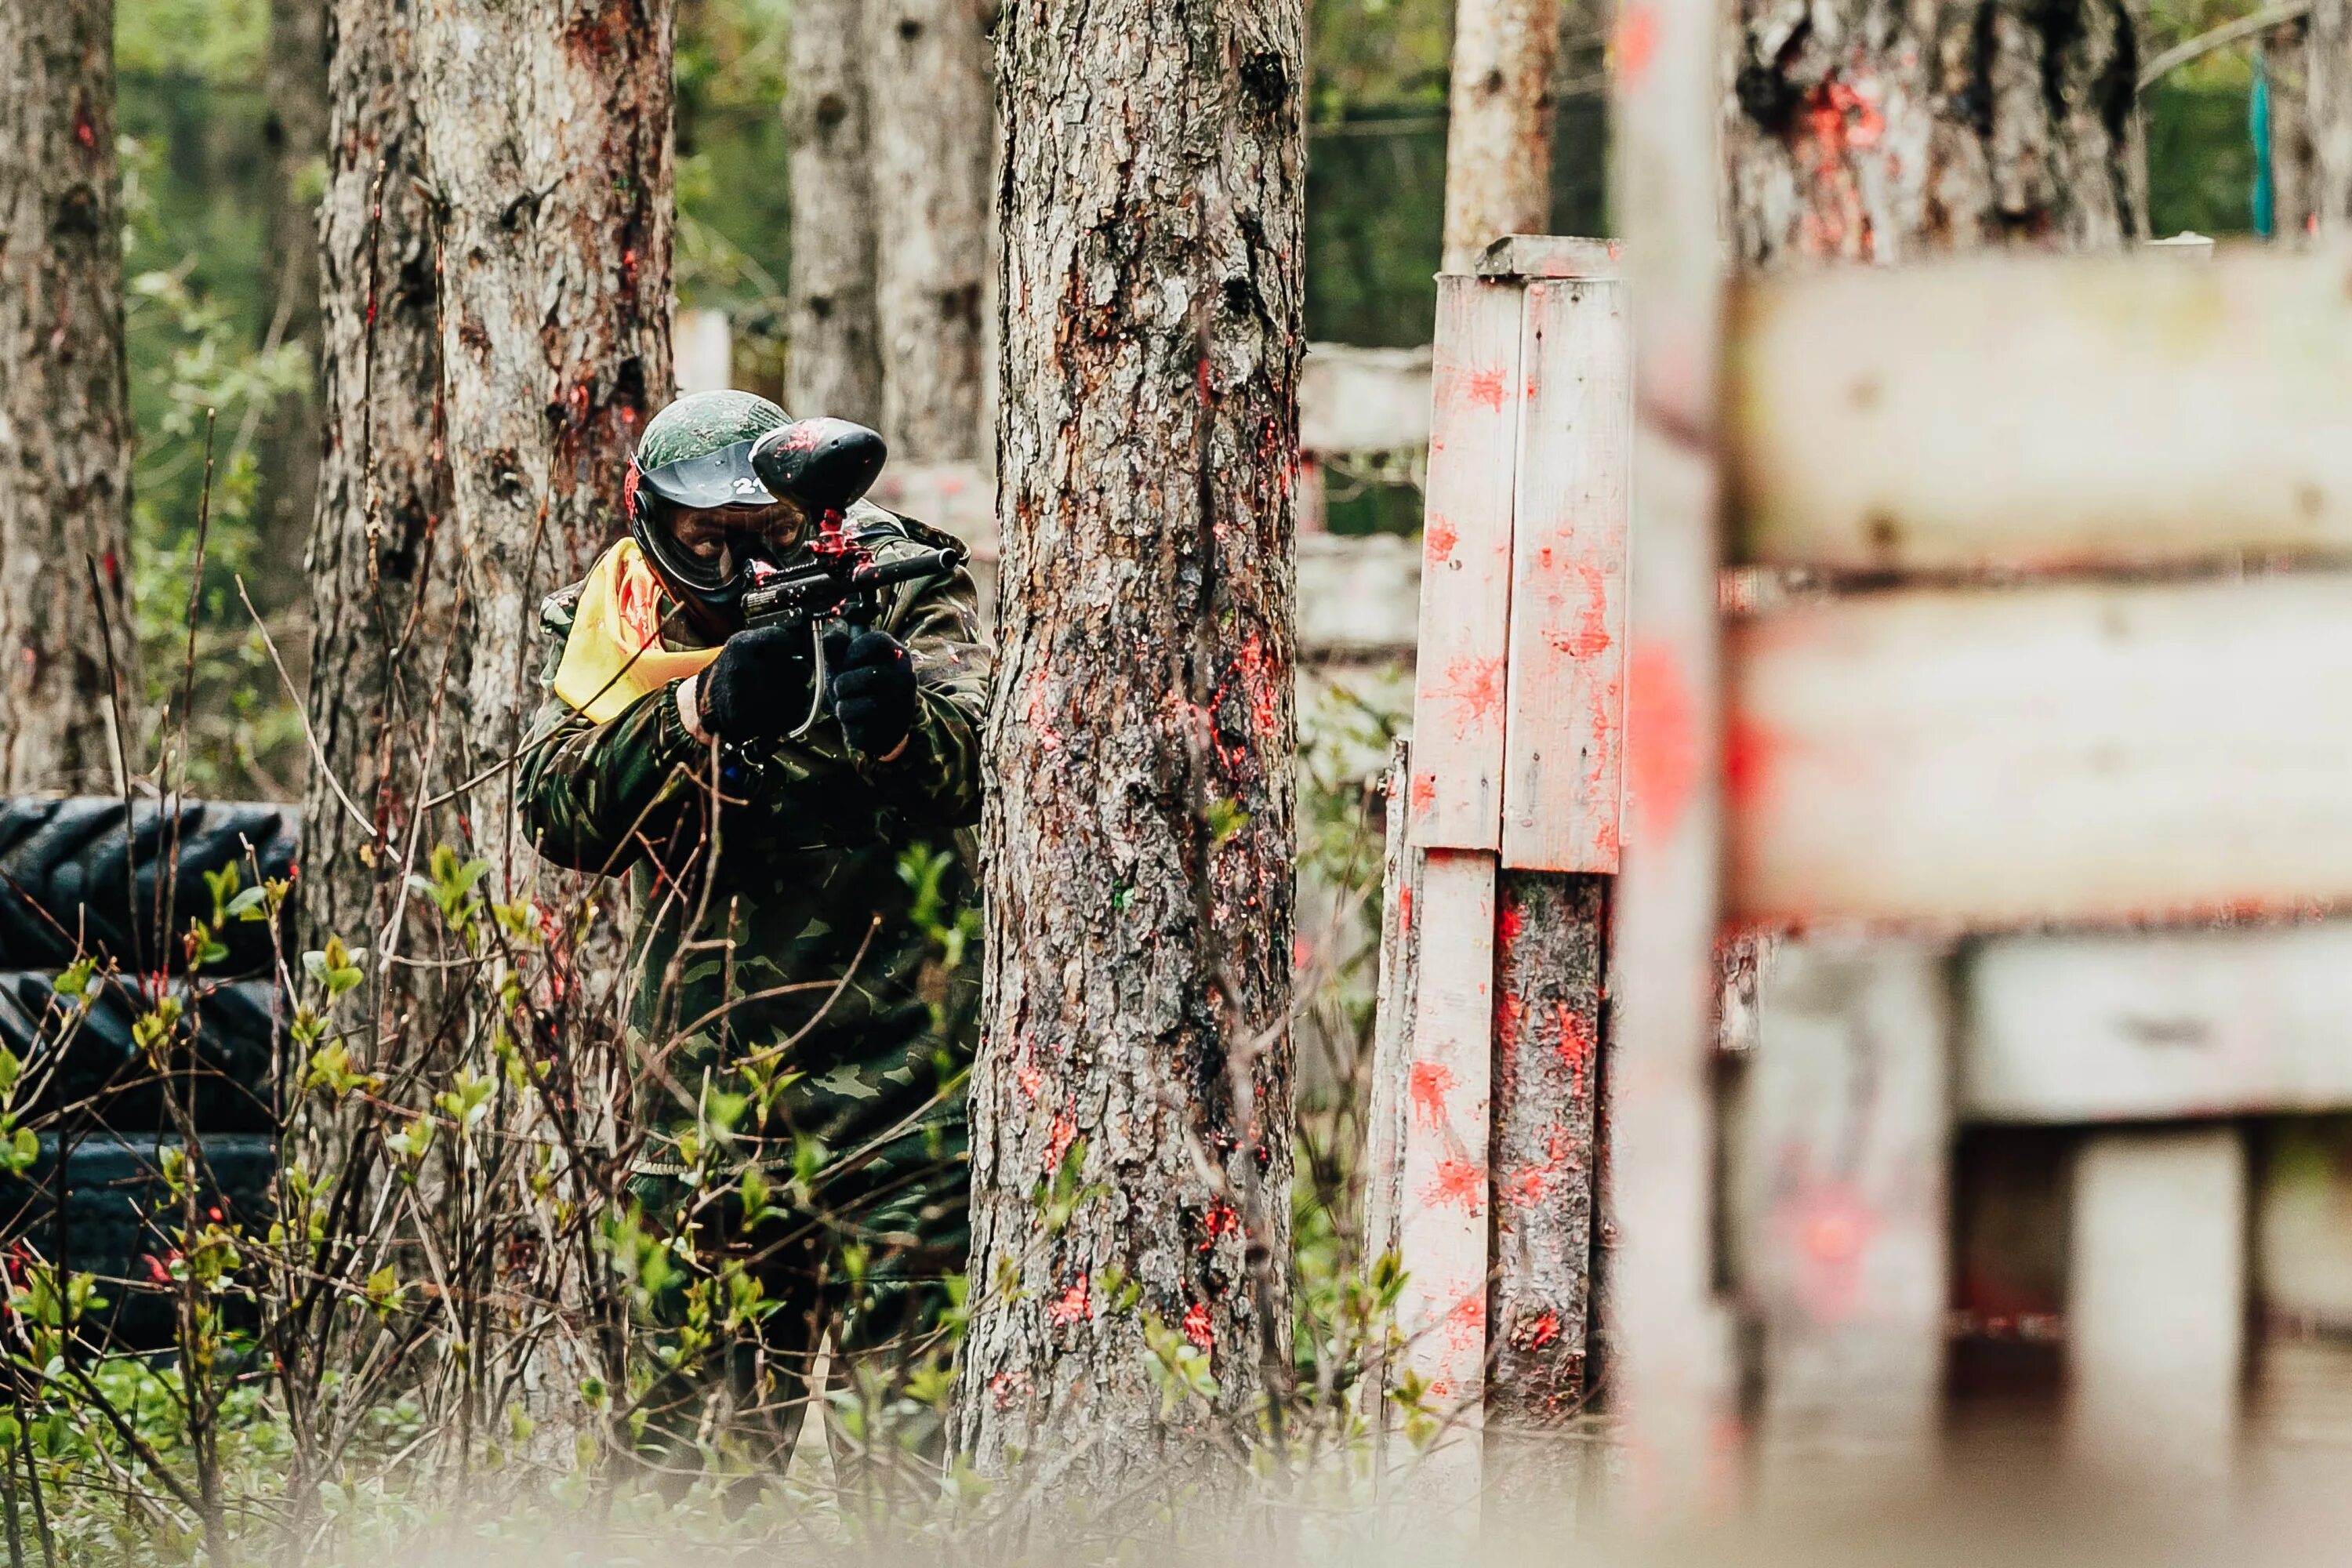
[(1058, 1143), (1430, 1083), (1750, 751), (1539, 1331), (1405, 910), (1637, 42), (1510, 924), (1006, 1388), (1302, 952), (1073, 1306), (1424, 790), (1459, 1182), (1828, 1227), (1475, 688), (1661, 739), (1577, 1045), (1589, 637), (1040, 723), (1221, 1220), (1526, 1188), (1031, 1081), (1196, 1325), (1466, 1323), (1487, 387), (1441, 539)]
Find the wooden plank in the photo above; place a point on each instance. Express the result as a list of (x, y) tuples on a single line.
[(1358, 594), (2161, 1024), (1564, 715), (1849, 1152), (1363, 400), (2044, 412), (1669, 1341), (1466, 583), (1443, 1190), (1393, 999), (1525, 256), (1546, 1055), (2073, 754), (2155, 1317)]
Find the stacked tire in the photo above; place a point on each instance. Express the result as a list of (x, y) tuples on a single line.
[(87, 877)]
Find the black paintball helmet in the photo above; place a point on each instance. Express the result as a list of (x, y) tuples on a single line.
[(696, 455)]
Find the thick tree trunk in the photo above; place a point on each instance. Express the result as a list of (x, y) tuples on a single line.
[(65, 442), (833, 365), (287, 450), (1140, 818), (932, 116), (1862, 131), (547, 126), (1499, 124), (382, 576)]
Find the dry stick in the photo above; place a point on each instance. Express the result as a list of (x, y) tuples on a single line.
[(318, 753)]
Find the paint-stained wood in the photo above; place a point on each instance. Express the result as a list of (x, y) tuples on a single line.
[(1983, 759), (1551, 256), (1392, 1013), (2044, 412), (1670, 1349), (1564, 715), (2159, 1024), (2156, 1320), (1363, 400), (1466, 583), (1849, 1152), (1444, 1186), (1547, 1050)]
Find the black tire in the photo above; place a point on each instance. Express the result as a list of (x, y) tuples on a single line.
[(69, 867), (119, 1218), (101, 1074)]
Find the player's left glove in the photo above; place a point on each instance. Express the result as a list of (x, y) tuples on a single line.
[(871, 686)]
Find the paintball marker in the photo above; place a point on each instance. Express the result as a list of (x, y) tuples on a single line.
[(823, 466)]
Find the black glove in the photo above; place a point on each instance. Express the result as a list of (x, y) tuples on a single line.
[(758, 687), (871, 685)]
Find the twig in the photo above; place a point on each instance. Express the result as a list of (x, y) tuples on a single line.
[(2221, 38), (318, 753)]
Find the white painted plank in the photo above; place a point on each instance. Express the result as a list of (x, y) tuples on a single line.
[(702, 352), (1527, 256), (2156, 1336), (1848, 1149), (1564, 723), (2073, 753), (1466, 584), (1443, 1189), (2043, 412), (2159, 1024), (1363, 400), (1358, 594), (1667, 1330)]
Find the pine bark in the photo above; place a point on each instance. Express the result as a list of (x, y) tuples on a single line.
[(1140, 820), (930, 109), (1861, 130), (547, 126), (286, 452), (833, 364), (65, 428), (1499, 124), (382, 576)]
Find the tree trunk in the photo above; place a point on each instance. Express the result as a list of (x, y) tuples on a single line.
[(2286, 54), (2327, 115), (1139, 814), (1860, 131), (287, 450), (833, 364), (932, 114), (382, 578), (1499, 124), (547, 126), (65, 442)]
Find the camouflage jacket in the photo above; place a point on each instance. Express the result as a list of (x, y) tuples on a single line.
[(815, 925)]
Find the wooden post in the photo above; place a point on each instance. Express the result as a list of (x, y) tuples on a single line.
[(1669, 1342), (1849, 1143), (2157, 1303)]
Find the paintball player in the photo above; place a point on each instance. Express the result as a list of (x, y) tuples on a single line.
[(791, 805)]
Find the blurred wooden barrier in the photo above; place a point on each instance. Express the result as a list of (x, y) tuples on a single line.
[(1482, 1150), (1926, 762)]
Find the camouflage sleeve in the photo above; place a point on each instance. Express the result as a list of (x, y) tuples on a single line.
[(595, 797), (936, 778)]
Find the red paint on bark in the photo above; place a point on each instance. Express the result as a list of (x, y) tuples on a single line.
[(1073, 1306), (1197, 1328)]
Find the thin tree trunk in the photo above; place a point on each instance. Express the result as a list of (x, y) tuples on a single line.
[(1139, 817), (1499, 124), (2286, 62), (833, 364), (1862, 131), (2327, 115), (547, 125), (930, 111), (65, 441), (382, 576), (287, 452)]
